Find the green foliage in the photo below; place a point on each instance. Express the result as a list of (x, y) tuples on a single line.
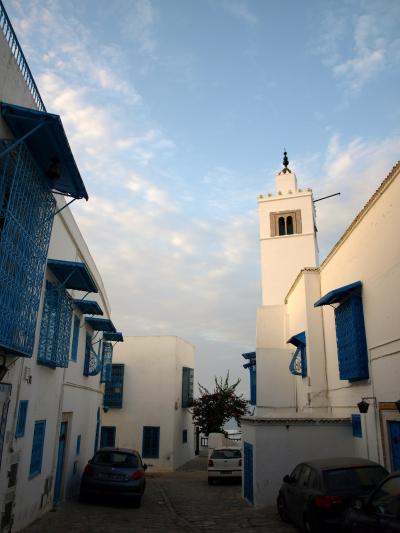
[(213, 409)]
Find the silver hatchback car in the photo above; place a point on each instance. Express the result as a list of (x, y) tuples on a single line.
[(114, 472), (224, 463)]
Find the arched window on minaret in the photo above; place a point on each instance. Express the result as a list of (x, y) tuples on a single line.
[(289, 225), (282, 228)]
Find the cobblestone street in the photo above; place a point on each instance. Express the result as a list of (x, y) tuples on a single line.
[(173, 502)]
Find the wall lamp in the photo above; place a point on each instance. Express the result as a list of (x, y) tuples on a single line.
[(363, 406)]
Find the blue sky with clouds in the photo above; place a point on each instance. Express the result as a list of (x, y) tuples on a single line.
[(177, 112)]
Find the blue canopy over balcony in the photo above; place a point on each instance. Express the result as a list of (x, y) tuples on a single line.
[(88, 307), (72, 275), (337, 295), (101, 324), (44, 135), (113, 337)]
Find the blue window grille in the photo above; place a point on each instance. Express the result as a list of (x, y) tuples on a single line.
[(107, 436), (21, 420), (184, 436), (106, 362), (78, 444), (55, 330), (356, 425), (298, 364), (351, 339), (187, 386), (75, 338), (114, 389), (26, 218), (92, 365), (151, 442), (37, 448)]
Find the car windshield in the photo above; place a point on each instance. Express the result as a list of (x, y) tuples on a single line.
[(226, 454), (359, 478), (120, 459)]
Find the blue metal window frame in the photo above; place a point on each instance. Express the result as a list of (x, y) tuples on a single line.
[(187, 386), (356, 426), (78, 444), (114, 389), (106, 366), (184, 436), (75, 338), (21, 420), (26, 217), (55, 329), (151, 442), (37, 448), (298, 364)]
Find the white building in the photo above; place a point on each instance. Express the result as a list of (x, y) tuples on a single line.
[(326, 337), (54, 357), (148, 400)]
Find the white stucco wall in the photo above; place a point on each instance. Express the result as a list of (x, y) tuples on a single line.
[(296, 441), (152, 397)]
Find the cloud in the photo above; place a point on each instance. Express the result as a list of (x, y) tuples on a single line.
[(357, 47), (138, 24), (240, 10)]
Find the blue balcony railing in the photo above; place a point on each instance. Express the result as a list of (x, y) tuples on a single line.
[(18, 54)]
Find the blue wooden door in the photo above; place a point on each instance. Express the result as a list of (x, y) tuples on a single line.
[(60, 461), (248, 471), (394, 433)]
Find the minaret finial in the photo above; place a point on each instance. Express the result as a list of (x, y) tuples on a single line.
[(285, 162)]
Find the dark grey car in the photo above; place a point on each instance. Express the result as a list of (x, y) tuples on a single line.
[(116, 472), (317, 492)]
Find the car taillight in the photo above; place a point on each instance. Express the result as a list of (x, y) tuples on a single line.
[(210, 462), (138, 474), (240, 462), (326, 502), (89, 471)]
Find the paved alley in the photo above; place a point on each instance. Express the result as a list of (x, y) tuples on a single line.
[(173, 502)]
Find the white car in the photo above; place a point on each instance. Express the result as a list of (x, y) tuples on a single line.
[(224, 463)]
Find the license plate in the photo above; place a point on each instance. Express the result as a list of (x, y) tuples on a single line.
[(111, 477)]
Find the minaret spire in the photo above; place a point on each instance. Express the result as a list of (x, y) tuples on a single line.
[(285, 162)]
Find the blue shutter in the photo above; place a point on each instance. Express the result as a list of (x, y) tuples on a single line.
[(253, 384), (187, 386), (55, 330), (248, 471), (106, 366), (37, 448), (26, 218), (356, 425), (78, 444), (21, 421), (151, 442), (75, 338), (351, 339), (115, 387)]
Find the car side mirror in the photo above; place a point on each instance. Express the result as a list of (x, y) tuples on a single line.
[(287, 479), (144, 466)]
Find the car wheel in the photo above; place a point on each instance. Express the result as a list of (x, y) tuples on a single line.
[(282, 509), (310, 524)]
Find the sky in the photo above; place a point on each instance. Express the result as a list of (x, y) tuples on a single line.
[(178, 111)]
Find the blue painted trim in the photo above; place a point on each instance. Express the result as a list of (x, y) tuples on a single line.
[(78, 444), (356, 426), (298, 364), (75, 338), (88, 307), (72, 275), (114, 389), (100, 324), (21, 420), (114, 337)]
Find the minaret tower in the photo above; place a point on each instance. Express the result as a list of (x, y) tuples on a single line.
[(287, 235)]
